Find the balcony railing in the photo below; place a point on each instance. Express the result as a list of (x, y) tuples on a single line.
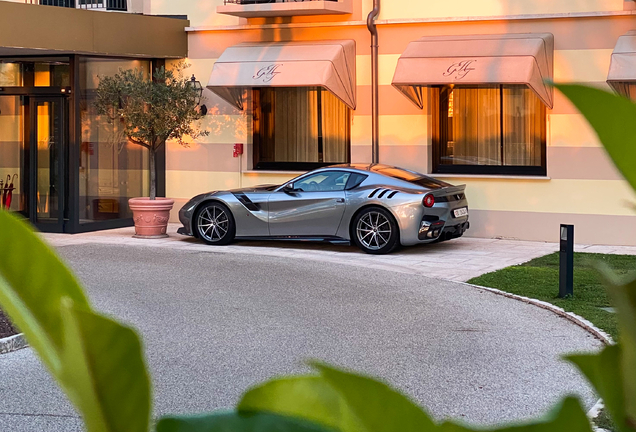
[(250, 2), (277, 8), (111, 5)]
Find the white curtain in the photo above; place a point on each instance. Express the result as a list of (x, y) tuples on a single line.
[(522, 126), (335, 128), (476, 126), (296, 125), (288, 125), (479, 137)]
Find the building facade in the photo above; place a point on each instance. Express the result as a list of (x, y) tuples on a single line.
[(461, 90), (63, 166), (461, 97)]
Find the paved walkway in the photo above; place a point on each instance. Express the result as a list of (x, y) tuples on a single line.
[(215, 323), (456, 260)]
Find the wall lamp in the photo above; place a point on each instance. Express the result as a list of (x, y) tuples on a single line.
[(196, 85)]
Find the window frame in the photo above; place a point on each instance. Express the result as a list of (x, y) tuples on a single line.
[(511, 170), (327, 173), (259, 165)]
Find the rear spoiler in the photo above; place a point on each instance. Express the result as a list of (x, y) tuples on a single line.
[(449, 190)]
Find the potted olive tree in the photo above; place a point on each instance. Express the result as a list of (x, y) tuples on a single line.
[(151, 111)]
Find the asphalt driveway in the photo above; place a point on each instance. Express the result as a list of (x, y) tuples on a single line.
[(215, 323)]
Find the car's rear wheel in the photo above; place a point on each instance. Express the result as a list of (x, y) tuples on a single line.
[(375, 231), (214, 224)]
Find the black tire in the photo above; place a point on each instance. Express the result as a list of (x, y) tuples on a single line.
[(214, 224), (375, 231)]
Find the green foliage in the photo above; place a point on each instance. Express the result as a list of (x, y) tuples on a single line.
[(151, 111), (613, 372), (236, 422), (341, 400), (567, 416), (97, 361)]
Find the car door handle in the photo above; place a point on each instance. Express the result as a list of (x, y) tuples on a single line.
[(340, 200)]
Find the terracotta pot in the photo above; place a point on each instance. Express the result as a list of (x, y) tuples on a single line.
[(151, 216)]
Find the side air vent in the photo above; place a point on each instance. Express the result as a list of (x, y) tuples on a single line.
[(383, 193), (392, 194), (372, 194), (251, 206)]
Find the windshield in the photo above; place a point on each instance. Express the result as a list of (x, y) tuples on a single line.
[(412, 177)]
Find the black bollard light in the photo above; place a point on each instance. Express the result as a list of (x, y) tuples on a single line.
[(566, 261)]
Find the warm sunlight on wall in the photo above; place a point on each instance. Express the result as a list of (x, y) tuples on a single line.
[(199, 12)]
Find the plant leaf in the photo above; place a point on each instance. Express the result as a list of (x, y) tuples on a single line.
[(97, 362), (623, 362), (613, 118), (567, 416), (104, 372), (377, 406), (235, 422), (624, 297), (33, 282), (603, 371), (308, 397)]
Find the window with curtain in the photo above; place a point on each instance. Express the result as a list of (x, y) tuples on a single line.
[(489, 130), (299, 128)]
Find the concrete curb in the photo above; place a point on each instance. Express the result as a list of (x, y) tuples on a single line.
[(13, 343), (572, 317)]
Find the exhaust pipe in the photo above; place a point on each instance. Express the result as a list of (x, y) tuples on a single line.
[(375, 132)]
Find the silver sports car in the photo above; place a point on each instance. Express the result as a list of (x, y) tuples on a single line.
[(377, 207)]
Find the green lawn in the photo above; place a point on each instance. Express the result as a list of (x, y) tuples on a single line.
[(539, 279)]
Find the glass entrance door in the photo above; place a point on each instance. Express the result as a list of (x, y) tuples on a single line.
[(47, 145)]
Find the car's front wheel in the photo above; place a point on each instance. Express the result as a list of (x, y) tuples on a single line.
[(375, 231), (214, 224)]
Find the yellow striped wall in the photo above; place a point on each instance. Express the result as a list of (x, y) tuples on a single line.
[(203, 12), (582, 185)]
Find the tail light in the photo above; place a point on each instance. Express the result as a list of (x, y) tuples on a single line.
[(428, 200)]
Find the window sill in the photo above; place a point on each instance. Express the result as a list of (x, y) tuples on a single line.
[(269, 172), (491, 176)]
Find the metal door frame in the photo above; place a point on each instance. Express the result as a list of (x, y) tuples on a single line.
[(31, 157)]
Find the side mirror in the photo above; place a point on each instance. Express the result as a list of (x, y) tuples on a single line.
[(289, 187)]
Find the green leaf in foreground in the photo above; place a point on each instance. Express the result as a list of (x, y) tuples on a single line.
[(603, 371), (97, 361), (567, 416), (104, 372), (308, 397), (376, 405), (339, 399), (235, 422), (614, 120), (613, 371), (624, 297), (33, 282)]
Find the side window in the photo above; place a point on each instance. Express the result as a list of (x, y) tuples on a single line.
[(354, 180), (323, 182)]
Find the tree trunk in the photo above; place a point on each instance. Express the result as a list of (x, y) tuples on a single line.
[(153, 173)]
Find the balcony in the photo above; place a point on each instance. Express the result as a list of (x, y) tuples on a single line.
[(108, 5), (277, 8)]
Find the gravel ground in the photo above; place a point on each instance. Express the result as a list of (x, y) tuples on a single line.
[(214, 324)]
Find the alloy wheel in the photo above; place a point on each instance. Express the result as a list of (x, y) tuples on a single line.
[(213, 223), (373, 230)]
